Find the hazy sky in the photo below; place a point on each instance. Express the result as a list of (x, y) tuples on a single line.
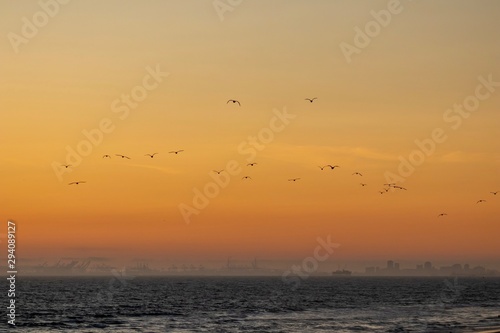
[(69, 74)]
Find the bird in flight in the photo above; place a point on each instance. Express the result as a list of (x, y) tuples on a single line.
[(390, 184), (106, 156), (357, 173), (78, 182), (293, 179), (151, 155), (494, 193), (246, 177), (363, 184), (218, 171), (399, 187), (234, 101), (442, 214), (175, 151), (311, 99), (123, 156), (329, 166), (479, 201), (381, 192), (251, 164), (66, 165)]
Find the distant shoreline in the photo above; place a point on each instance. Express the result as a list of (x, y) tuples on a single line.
[(181, 275)]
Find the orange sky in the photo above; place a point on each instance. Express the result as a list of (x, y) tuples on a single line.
[(72, 75)]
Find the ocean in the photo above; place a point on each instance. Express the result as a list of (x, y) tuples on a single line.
[(255, 304)]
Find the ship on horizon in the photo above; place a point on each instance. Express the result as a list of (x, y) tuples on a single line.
[(341, 272)]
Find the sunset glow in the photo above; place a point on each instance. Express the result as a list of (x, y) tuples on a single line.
[(418, 106)]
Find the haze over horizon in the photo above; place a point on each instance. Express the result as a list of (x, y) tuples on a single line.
[(388, 111), (245, 266)]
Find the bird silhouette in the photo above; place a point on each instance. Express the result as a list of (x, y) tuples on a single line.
[(106, 156), (390, 184), (399, 187), (78, 182), (329, 166), (234, 101), (494, 193), (123, 156), (251, 164), (293, 179), (363, 184), (151, 155), (66, 165), (357, 173), (176, 151), (246, 177), (311, 99), (442, 214), (218, 171), (381, 192), (479, 201)]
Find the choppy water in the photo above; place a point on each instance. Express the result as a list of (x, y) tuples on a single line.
[(203, 304)]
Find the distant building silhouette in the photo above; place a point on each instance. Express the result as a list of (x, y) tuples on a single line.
[(427, 269)]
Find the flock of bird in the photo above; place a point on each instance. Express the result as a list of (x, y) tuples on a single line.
[(479, 201), (386, 187), (121, 156)]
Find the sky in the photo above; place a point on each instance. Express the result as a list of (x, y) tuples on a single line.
[(155, 76)]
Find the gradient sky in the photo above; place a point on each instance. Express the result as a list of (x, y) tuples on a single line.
[(270, 55)]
